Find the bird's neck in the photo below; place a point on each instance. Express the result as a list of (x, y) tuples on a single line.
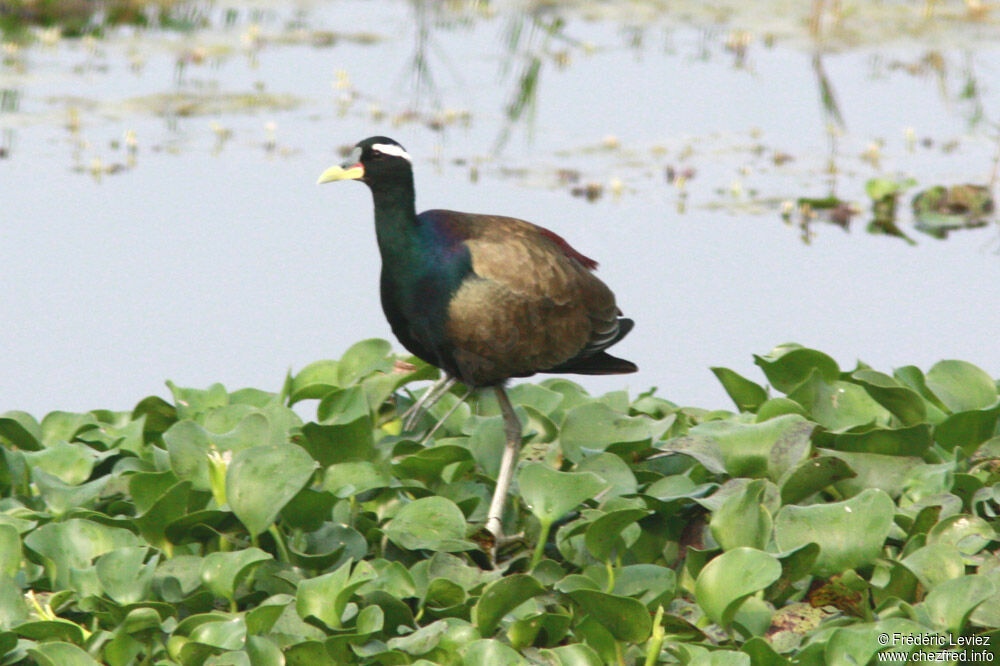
[(396, 224)]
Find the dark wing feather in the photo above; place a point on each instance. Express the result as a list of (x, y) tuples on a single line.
[(530, 304)]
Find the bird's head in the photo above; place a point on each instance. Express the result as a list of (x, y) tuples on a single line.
[(377, 159)]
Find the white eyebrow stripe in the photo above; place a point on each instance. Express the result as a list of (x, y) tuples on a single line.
[(392, 149)]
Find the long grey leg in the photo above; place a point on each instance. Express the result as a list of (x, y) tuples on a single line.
[(412, 415), (512, 432)]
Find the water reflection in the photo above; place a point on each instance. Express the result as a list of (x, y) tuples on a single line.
[(452, 46)]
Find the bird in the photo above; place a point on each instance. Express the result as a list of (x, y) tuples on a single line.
[(484, 298)]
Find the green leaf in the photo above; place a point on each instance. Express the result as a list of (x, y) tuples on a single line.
[(611, 469), (594, 426), (314, 381), (935, 563), (550, 494), (73, 544), (260, 481), (57, 653), (604, 533), (222, 572), (850, 534), (325, 597), (361, 359), (10, 551), (20, 430), (838, 405), (746, 447), (812, 476), (493, 652), (786, 366), (576, 654), (951, 602), (727, 580), (501, 597), (961, 386), (747, 395), (904, 403), (742, 520), (124, 577), (626, 619), (431, 523), (341, 442)]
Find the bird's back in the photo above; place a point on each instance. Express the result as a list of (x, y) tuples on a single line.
[(528, 302)]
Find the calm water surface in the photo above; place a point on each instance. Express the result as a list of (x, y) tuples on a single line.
[(208, 254)]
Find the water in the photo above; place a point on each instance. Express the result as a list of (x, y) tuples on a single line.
[(210, 255)]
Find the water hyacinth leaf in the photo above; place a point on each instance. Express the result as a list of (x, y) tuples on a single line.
[(362, 358), (314, 381), (343, 406), (594, 426), (849, 533), (904, 403), (792, 447), (604, 534), (613, 471), (352, 478), (873, 470), (222, 572), (261, 480), (501, 597), (71, 464), (935, 563), (544, 400), (58, 653), (577, 654), (961, 386), (60, 497), (10, 551), (73, 544), (812, 476), (702, 448), (341, 442), (967, 429), (838, 405), (649, 583), (788, 365), (969, 534), (746, 447), (123, 575), (949, 604), (906, 441), (20, 430), (550, 494), (65, 426), (779, 406), (431, 523), (489, 651), (263, 651), (742, 520), (852, 645), (747, 395), (188, 446), (728, 579), (624, 618), (225, 634), (325, 597)]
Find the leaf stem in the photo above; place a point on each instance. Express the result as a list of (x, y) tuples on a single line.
[(543, 537)]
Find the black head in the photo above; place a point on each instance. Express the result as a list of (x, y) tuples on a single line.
[(378, 160)]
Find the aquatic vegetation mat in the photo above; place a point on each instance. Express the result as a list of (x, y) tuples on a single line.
[(833, 515)]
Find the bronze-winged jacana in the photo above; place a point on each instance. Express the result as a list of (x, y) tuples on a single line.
[(483, 297)]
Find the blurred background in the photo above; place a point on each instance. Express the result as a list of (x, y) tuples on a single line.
[(746, 174)]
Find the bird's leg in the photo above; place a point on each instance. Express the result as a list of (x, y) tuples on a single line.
[(512, 431), (444, 418), (412, 415)]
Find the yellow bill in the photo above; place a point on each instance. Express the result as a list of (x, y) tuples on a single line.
[(340, 173)]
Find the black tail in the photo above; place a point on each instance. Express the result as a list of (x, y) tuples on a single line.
[(601, 363)]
